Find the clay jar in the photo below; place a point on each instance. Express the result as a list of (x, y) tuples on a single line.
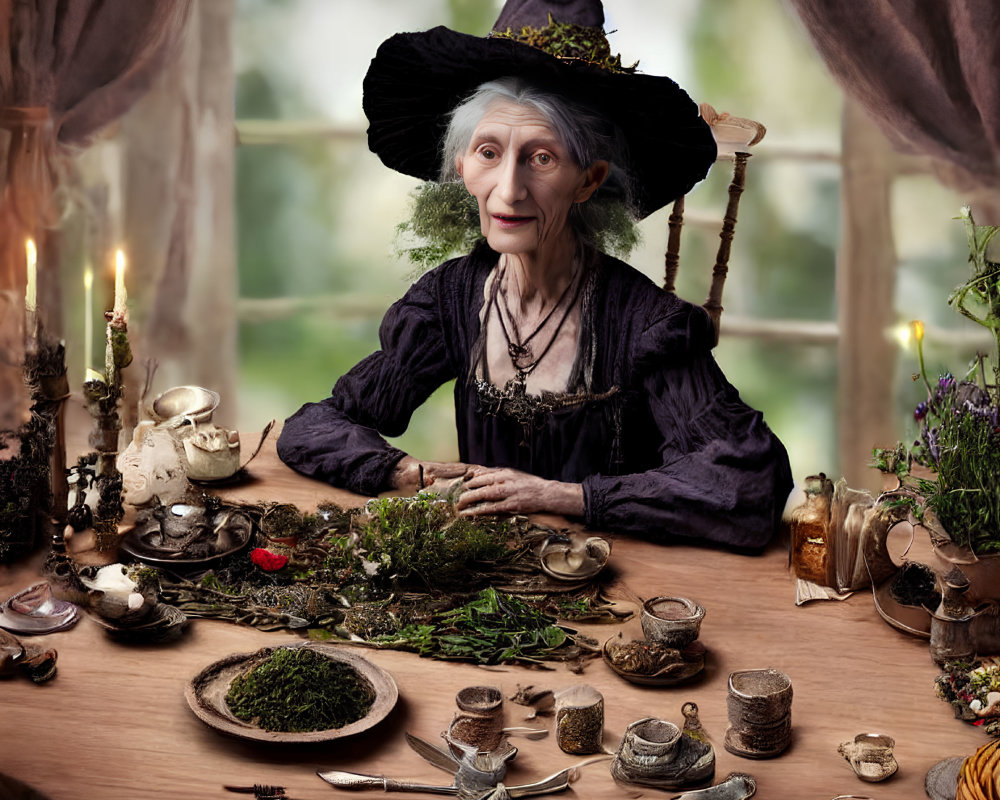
[(580, 720), (760, 713), (672, 621), (479, 719)]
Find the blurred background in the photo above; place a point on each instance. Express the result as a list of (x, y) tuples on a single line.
[(313, 217)]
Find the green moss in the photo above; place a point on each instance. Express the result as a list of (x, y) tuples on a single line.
[(298, 689), (570, 43)]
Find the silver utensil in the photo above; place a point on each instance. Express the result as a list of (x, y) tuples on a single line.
[(355, 780)]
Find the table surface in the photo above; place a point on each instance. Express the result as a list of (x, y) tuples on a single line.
[(114, 724)]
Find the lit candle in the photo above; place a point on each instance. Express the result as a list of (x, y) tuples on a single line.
[(88, 319), (120, 294), (31, 292)]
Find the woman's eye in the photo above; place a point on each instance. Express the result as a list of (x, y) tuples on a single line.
[(543, 159), (488, 153)]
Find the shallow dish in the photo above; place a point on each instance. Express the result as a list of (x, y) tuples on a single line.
[(914, 620), (206, 695), (164, 624), (574, 558), (141, 544), (35, 611), (688, 664)]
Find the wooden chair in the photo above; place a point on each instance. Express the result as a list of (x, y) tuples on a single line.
[(734, 137)]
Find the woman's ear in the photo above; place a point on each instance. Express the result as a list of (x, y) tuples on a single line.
[(594, 176), (458, 166)]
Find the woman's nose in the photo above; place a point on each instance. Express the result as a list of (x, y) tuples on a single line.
[(510, 183)]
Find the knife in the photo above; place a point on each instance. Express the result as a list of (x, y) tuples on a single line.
[(355, 780)]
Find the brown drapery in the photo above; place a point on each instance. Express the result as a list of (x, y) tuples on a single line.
[(928, 73), (67, 69)]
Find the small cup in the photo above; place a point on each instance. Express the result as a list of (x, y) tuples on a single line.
[(655, 752), (760, 713), (479, 719), (580, 720), (672, 621)]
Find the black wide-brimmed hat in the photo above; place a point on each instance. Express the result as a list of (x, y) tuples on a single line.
[(416, 80)]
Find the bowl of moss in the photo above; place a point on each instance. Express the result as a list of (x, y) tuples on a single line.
[(306, 692)]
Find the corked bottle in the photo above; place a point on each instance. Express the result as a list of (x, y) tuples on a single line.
[(812, 551)]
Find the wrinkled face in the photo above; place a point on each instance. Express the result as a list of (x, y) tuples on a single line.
[(524, 179)]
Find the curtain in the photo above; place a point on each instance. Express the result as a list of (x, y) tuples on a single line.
[(927, 72), (67, 69)]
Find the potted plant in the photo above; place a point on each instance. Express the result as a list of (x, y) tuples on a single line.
[(950, 476)]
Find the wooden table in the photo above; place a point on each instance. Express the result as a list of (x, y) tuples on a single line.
[(114, 725)]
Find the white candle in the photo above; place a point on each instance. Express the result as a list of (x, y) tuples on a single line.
[(120, 294), (31, 292), (88, 319)]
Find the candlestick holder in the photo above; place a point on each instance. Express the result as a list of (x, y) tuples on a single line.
[(103, 397), (33, 488)]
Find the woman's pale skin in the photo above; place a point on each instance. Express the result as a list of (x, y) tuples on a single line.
[(525, 184)]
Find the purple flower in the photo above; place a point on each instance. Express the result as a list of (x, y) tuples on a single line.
[(921, 410), (946, 381)]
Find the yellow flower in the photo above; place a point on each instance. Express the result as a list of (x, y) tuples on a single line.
[(917, 329)]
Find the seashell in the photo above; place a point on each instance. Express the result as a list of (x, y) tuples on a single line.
[(673, 621), (35, 610), (569, 559), (181, 404), (870, 756), (212, 453), (736, 786)]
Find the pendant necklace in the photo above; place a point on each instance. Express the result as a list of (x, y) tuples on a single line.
[(521, 350)]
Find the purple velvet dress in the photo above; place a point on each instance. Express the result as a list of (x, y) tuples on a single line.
[(660, 440)]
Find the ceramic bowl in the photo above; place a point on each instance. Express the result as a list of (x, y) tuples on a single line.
[(673, 621), (574, 559), (194, 403)]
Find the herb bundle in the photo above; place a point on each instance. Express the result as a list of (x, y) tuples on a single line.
[(296, 689)]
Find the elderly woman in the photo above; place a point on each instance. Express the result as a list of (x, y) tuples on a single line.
[(581, 388)]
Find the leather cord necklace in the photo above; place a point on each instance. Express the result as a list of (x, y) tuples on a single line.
[(520, 350)]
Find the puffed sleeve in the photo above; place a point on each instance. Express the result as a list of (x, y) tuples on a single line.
[(339, 440), (723, 477)]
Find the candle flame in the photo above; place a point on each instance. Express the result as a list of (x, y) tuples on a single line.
[(29, 247), (88, 278)]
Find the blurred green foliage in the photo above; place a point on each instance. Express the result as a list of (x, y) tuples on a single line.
[(316, 218)]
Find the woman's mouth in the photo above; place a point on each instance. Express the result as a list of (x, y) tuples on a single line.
[(509, 221)]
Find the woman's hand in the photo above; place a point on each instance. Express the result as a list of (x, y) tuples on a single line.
[(503, 490), (411, 475)]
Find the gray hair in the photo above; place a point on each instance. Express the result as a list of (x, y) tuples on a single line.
[(587, 135)]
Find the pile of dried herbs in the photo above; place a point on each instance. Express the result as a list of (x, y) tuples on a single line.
[(490, 629), (296, 689), (400, 573)]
